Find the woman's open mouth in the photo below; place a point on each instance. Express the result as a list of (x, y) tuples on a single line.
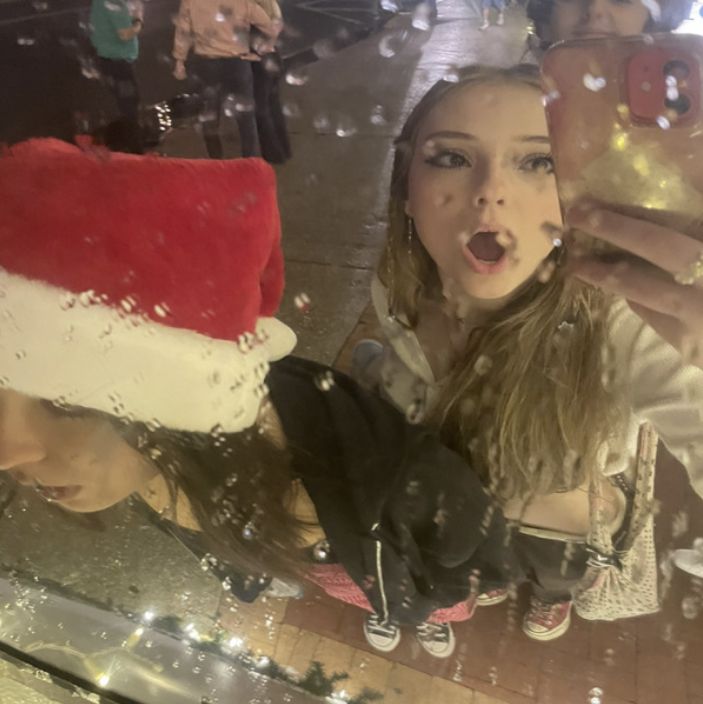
[(484, 253)]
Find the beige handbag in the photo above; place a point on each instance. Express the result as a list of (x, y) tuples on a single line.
[(622, 582)]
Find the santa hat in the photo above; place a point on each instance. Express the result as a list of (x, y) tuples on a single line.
[(140, 286)]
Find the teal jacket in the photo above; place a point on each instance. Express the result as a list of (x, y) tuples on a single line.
[(106, 18)]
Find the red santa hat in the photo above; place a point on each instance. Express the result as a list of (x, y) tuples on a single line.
[(140, 286)]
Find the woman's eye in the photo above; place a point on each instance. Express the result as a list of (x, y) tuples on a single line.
[(448, 160), (538, 163)]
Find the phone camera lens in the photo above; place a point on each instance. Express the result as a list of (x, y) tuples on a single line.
[(680, 105), (676, 68)]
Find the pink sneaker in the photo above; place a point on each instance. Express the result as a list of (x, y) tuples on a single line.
[(545, 621), (492, 597)]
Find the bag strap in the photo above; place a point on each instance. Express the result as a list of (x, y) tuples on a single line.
[(641, 499)]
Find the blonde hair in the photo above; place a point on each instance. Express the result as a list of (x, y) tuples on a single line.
[(534, 423)]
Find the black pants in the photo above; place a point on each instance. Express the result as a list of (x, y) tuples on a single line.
[(553, 567), (121, 80), (223, 77), (270, 121)]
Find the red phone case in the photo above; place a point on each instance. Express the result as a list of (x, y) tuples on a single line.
[(626, 125)]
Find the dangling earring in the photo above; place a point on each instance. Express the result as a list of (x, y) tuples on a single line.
[(410, 234)]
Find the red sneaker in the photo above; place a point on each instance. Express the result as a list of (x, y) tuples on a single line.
[(492, 597), (545, 621)]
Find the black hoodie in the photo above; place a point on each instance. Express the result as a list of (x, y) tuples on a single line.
[(407, 518)]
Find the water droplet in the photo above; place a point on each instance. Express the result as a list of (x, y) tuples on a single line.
[(345, 127), (391, 43), (594, 83), (302, 302), (451, 75), (690, 607), (249, 531), (415, 412), (321, 123), (663, 122), (421, 17), (161, 309), (297, 77), (291, 110), (595, 695), (323, 48), (483, 365), (325, 380), (545, 271), (377, 116), (550, 97)]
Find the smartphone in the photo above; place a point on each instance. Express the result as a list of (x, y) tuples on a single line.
[(626, 128)]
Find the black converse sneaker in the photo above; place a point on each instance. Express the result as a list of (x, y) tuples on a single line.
[(437, 639), (382, 636)]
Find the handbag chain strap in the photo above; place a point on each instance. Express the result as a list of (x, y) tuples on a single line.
[(640, 502)]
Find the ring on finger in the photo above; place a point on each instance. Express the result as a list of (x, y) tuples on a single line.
[(692, 274)]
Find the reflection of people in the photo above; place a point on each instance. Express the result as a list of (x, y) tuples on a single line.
[(498, 6), (544, 378), (556, 20), (218, 33), (115, 28), (270, 121), (136, 363)]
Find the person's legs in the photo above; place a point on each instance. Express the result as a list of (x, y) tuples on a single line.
[(486, 8), (500, 8), (207, 71), (554, 568), (270, 122), (121, 79), (277, 116), (238, 80)]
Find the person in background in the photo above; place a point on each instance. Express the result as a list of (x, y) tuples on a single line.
[(498, 6), (219, 35), (270, 121), (116, 25), (557, 20)]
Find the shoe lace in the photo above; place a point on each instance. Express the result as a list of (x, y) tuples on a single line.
[(543, 611), (433, 631), (374, 625)]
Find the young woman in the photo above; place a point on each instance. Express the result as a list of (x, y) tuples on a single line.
[(134, 362), (541, 373)]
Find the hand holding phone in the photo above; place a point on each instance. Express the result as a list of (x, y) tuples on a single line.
[(626, 127)]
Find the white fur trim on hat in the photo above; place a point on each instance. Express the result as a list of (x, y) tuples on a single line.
[(77, 350)]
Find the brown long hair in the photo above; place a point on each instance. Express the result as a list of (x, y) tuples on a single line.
[(238, 488), (535, 423)]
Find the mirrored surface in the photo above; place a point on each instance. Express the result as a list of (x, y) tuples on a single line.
[(128, 607)]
